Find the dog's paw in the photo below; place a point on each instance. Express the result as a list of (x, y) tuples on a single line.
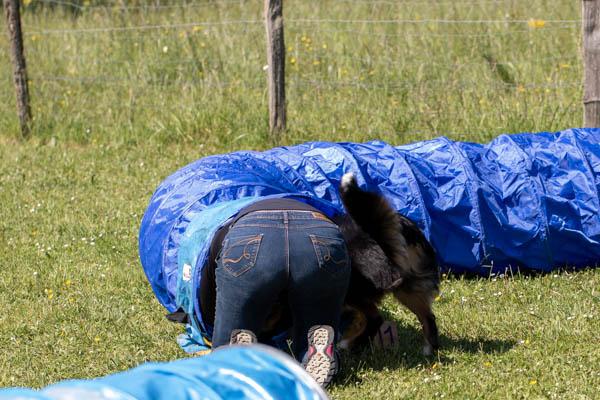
[(348, 182)]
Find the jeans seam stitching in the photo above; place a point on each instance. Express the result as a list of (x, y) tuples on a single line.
[(287, 245), (321, 261), (256, 225), (314, 226), (253, 257), (313, 240), (306, 215)]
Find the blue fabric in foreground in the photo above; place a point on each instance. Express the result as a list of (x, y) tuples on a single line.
[(523, 200), (238, 372)]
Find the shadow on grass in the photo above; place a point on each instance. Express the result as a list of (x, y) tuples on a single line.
[(408, 353)]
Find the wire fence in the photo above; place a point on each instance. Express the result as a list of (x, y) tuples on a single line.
[(142, 28), (353, 53), (552, 25), (191, 4), (204, 4), (370, 61)]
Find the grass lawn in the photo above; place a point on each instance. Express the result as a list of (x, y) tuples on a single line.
[(116, 112)]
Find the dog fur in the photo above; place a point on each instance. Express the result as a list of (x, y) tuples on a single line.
[(389, 254)]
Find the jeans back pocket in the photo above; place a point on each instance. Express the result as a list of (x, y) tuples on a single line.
[(239, 253), (331, 253)]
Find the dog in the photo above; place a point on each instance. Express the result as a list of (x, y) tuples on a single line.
[(389, 254)]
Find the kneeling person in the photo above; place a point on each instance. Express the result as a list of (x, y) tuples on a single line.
[(278, 260)]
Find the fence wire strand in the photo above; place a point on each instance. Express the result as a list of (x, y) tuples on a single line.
[(445, 34), (333, 62), (142, 27), (121, 6), (427, 21), (152, 7), (558, 25), (402, 3), (298, 82)]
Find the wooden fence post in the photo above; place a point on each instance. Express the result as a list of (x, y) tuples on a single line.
[(276, 64), (13, 24), (591, 63)]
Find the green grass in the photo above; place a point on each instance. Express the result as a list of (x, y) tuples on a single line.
[(125, 114), (398, 82)]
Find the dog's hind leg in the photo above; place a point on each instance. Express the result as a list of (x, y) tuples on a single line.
[(420, 304)]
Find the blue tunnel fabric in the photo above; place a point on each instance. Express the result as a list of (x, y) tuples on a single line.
[(236, 372), (524, 200)]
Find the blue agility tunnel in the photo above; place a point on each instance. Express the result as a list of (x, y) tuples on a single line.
[(233, 373), (521, 201)]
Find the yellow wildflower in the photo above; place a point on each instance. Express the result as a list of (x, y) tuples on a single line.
[(520, 88), (487, 364), (536, 23), (533, 382), (97, 339), (197, 28), (293, 60), (68, 283), (49, 293)]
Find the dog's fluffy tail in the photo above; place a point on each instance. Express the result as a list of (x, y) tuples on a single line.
[(401, 240), (373, 214)]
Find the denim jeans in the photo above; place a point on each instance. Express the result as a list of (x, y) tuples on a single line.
[(267, 253)]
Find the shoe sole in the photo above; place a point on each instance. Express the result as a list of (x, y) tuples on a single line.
[(321, 362), (242, 336)]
